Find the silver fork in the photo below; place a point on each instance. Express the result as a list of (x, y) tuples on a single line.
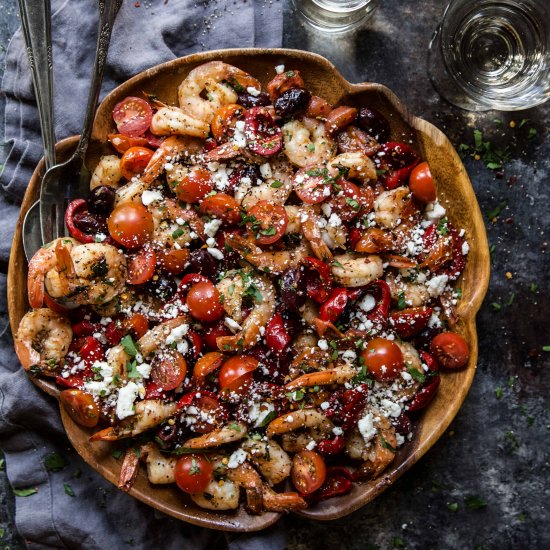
[(36, 26), (69, 180)]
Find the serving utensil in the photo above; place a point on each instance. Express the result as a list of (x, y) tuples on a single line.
[(70, 180), (36, 26)]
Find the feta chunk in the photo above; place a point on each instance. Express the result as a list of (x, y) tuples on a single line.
[(149, 197), (125, 402)]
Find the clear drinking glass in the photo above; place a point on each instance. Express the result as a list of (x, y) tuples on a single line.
[(333, 16), (492, 54)]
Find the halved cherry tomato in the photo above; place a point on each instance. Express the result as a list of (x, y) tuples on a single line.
[(263, 135), (136, 323), (236, 372), (383, 358), (215, 332), (193, 473), (223, 123), (349, 201), (334, 306), (195, 185), (141, 267), (203, 301), (172, 261), (450, 349), (410, 321), (131, 224), (50, 303), (338, 482), (425, 394), (168, 370), (421, 183), (267, 222), (80, 406), (152, 391), (312, 185), (134, 161), (308, 471), (209, 409), (207, 363), (122, 143), (202, 399), (333, 446), (221, 206), (85, 328), (382, 294), (132, 116)]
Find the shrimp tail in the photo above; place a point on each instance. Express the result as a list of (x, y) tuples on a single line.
[(129, 470), (108, 434)]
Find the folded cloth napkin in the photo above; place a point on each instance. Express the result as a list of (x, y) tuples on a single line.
[(146, 33)]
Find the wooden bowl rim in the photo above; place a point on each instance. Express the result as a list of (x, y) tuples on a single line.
[(468, 308)]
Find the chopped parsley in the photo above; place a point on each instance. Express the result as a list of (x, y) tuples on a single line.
[(54, 462), (68, 490), (453, 506), (129, 345), (498, 392), (177, 233), (474, 502), (401, 302), (25, 492), (276, 184), (416, 374), (386, 445)]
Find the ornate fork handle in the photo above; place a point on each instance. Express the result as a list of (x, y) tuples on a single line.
[(36, 25)]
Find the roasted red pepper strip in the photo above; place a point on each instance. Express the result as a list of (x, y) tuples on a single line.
[(90, 351), (332, 446), (337, 482), (354, 402), (410, 321), (196, 342), (75, 207), (398, 161), (319, 280), (152, 391), (190, 398), (382, 295), (276, 335), (429, 388), (334, 306), (455, 268), (429, 361)]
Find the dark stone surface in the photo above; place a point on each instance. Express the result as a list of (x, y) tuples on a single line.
[(497, 447)]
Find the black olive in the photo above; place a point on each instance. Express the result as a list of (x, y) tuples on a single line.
[(292, 102), (374, 123), (292, 289), (162, 287), (88, 223), (248, 100), (200, 261), (102, 200), (167, 433)]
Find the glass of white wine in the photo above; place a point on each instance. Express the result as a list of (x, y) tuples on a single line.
[(492, 54)]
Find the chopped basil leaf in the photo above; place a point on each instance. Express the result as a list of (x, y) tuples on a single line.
[(276, 184), (25, 492)]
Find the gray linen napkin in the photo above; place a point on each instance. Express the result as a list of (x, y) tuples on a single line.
[(146, 33)]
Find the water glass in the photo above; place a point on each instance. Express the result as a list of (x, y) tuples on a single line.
[(492, 54), (335, 16)]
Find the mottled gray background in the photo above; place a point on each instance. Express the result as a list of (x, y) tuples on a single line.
[(497, 447)]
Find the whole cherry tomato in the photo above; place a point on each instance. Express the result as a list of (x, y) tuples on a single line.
[(203, 301), (383, 358), (80, 406), (421, 183), (236, 372), (134, 161), (267, 222), (193, 473), (168, 370), (450, 349), (131, 224), (195, 185), (221, 206)]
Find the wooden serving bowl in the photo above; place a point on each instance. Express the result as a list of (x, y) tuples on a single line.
[(454, 191)]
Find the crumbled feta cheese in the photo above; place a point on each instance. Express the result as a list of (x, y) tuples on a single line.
[(326, 209), (434, 211), (337, 430), (400, 440), (406, 376), (367, 303), (149, 197), (366, 427), (237, 458), (183, 347), (144, 369), (434, 321), (211, 242), (349, 356), (465, 248), (325, 405), (311, 445), (215, 253), (258, 412), (98, 388), (265, 170), (232, 325), (253, 91), (177, 333), (279, 69), (335, 220), (239, 125), (323, 344), (391, 408), (436, 285), (168, 166), (125, 402)]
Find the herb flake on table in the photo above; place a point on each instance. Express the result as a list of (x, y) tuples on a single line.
[(473, 502), (68, 490), (54, 462), (25, 492), (453, 506)]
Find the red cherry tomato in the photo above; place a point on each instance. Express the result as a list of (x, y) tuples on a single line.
[(266, 222), (337, 482), (308, 472), (383, 358), (134, 161), (193, 473), (131, 225), (397, 162), (80, 406), (172, 261), (142, 266), (195, 186), (450, 349), (236, 372), (208, 406), (225, 118), (132, 116), (207, 363), (312, 185), (75, 209), (50, 303), (348, 200), (215, 332), (221, 206), (263, 135), (203, 301), (421, 183), (276, 335), (334, 306), (168, 370), (85, 328), (332, 446), (122, 143), (136, 323)]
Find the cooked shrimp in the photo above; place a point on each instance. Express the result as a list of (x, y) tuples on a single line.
[(263, 297), (379, 455), (160, 467), (357, 165), (336, 375), (268, 456), (117, 359), (107, 172), (260, 496), (220, 436), (295, 420), (222, 494), (148, 414), (210, 78), (389, 206), (353, 270), (172, 120), (231, 287), (129, 470), (415, 294), (175, 225), (157, 336), (306, 142), (268, 261), (312, 233), (43, 339)]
